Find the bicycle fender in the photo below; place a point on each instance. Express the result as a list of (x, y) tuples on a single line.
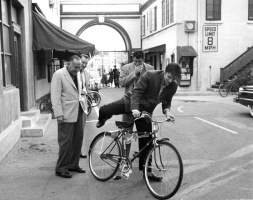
[(163, 140)]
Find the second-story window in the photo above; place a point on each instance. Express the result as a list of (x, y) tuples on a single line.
[(167, 11), (171, 11), (250, 10), (213, 10), (143, 25), (163, 12)]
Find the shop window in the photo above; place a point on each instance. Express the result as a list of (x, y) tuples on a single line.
[(213, 10), (250, 10)]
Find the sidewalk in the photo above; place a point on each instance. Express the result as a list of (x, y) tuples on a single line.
[(27, 172)]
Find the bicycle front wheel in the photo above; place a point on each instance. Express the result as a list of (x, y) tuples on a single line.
[(235, 89), (223, 90), (104, 156), (165, 163)]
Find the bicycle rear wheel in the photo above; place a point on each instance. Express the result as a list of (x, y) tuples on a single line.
[(95, 98), (223, 90), (104, 156), (46, 105), (235, 89), (164, 161)]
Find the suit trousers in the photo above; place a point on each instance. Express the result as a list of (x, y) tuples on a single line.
[(117, 108), (70, 139)]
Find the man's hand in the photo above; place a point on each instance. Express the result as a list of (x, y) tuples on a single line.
[(169, 115), (136, 113), (60, 119), (138, 69)]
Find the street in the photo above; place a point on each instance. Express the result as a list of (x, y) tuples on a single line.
[(212, 134)]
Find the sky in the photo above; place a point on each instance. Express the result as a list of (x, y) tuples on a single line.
[(104, 38)]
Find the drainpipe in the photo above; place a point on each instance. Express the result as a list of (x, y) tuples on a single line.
[(199, 45)]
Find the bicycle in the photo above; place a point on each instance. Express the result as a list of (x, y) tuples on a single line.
[(229, 86), (46, 105), (107, 155), (94, 97)]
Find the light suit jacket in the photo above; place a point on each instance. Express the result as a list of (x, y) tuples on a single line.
[(127, 75), (65, 96)]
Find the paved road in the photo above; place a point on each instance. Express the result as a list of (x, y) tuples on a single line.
[(212, 134)]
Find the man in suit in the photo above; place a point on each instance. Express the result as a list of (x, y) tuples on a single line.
[(154, 87), (129, 76), (69, 106), (85, 85)]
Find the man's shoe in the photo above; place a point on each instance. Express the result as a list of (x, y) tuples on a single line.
[(83, 155), (64, 174), (101, 123), (78, 170), (153, 177)]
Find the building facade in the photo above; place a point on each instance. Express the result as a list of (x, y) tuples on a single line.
[(203, 36)]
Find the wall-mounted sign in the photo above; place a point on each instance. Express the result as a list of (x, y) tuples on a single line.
[(210, 39)]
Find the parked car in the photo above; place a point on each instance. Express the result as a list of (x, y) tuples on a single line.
[(245, 97)]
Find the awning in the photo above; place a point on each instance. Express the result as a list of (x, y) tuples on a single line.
[(187, 51), (156, 49), (48, 36)]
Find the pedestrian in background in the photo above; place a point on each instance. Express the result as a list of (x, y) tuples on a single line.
[(104, 79), (110, 80), (116, 79), (69, 107)]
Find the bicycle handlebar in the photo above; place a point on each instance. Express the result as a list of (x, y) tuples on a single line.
[(148, 115), (235, 77)]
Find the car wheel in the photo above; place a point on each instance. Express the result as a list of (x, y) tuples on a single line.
[(251, 110)]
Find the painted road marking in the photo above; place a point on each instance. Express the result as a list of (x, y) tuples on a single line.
[(179, 109), (96, 109), (216, 125), (92, 120)]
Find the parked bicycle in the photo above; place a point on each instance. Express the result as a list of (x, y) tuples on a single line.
[(46, 105), (107, 155), (94, 97), (229, 86)]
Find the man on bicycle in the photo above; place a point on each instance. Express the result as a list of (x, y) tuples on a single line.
[(154, 87)]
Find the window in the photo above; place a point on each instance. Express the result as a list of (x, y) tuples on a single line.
[(213, 10), (143, 25), (163, 12), (250, 10), (167, 12), (6, 46), (155, 19), (171, 11)]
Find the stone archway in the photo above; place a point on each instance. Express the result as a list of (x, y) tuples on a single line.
[(113, 25)]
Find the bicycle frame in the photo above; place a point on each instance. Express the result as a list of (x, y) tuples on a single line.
[(122, 136)]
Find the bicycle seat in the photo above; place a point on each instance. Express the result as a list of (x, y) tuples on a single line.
[(120, 124)]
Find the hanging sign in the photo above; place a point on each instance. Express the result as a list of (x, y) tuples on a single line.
[(210, 39)]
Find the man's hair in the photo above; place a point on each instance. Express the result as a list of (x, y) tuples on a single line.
[(85, 56), (71, 58), (138, 54), (174, 69)]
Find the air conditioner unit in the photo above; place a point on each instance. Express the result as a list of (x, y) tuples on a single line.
[(190, 26)]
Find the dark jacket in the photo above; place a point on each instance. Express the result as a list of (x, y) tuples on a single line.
[(150, 91)]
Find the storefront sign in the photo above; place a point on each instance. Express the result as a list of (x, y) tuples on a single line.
[(210, 39)]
